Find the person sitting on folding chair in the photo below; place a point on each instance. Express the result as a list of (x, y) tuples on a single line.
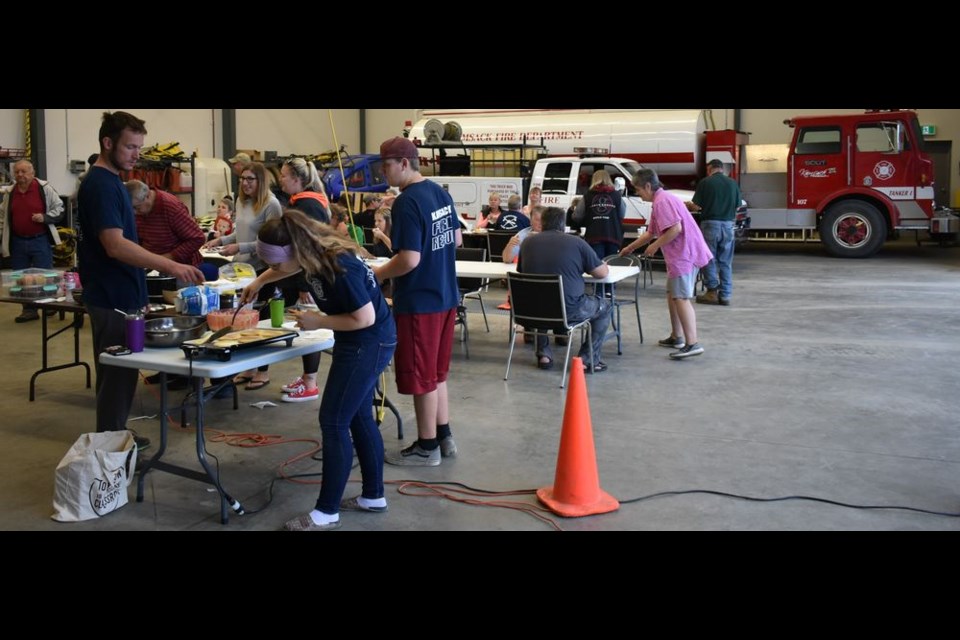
[(553, 251)]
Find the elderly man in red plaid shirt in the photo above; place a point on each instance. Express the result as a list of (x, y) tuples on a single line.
[(164, 225)]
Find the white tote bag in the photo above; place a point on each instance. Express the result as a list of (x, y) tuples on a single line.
[(92, 479)]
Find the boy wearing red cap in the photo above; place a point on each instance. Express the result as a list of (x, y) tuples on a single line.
[(425, 235)]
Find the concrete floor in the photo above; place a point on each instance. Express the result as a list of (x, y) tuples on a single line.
[(828, 378)]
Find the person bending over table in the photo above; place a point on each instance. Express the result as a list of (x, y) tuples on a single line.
[(346, 292)]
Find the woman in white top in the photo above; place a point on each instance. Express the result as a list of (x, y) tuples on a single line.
[(255, 206)]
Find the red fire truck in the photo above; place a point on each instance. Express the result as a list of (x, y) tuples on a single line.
[(855, 179)]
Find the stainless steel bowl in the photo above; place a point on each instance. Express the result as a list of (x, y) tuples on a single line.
[(172, 331)]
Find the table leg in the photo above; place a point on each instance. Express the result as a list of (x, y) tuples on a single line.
[(201, 454), (164, 425), (45, 338)]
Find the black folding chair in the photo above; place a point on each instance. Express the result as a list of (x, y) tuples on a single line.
[(537, 303), (497, 242), (470, 288)]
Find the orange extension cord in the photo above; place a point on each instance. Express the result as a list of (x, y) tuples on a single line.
[(413, 488)]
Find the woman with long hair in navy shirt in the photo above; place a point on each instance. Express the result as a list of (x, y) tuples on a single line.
[(346, 292)]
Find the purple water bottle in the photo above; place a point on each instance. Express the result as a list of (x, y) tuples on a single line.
[(136, 332)]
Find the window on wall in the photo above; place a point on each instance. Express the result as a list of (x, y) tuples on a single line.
[(818, 141), (881, 137), (557, 177)]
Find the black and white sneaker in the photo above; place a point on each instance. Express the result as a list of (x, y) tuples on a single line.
[(414, 456), (688, 351), (673, 343)]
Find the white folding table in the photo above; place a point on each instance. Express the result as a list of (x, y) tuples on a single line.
[(173, 361)]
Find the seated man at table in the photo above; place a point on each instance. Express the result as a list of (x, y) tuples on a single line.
[(554, 252), (512, 219)]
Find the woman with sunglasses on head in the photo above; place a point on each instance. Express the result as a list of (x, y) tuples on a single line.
[(255, 205), (351, 304)]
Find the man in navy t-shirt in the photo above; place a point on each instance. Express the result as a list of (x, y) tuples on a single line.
[(425, 235), (112, 262)]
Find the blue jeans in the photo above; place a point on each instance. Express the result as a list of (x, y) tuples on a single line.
[(347, 410), (30, 252), (719, 237), (597, 310)]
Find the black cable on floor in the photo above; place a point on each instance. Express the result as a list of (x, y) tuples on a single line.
[(784, 498)]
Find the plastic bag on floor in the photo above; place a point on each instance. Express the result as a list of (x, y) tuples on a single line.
[(92, 479)]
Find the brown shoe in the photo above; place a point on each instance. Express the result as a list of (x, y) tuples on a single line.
[(710, 297)]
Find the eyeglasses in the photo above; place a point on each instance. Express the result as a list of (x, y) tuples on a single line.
[(248, 179)]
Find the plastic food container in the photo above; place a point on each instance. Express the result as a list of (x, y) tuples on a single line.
[(246, 319)]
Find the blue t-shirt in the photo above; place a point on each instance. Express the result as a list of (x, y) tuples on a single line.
[(425, 221), (351, 290), (511, 221), (104, 203)]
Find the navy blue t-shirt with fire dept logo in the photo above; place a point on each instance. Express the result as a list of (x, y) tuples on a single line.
[(511, 221), (425, 221), (352, 290)]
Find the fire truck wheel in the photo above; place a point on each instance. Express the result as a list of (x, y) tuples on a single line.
[(853, 229)]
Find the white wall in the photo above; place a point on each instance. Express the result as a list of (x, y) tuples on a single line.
[(72, 135), (299, 131), (383, 124), (11, 128), (11, 135)]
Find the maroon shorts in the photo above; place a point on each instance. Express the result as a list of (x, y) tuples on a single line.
[(424, 345)]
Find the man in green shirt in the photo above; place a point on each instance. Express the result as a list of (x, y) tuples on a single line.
[(717, 198)]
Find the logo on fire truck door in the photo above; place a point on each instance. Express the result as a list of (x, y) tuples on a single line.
[(884, 170)]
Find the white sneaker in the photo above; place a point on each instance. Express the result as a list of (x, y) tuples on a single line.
[(292, 386)]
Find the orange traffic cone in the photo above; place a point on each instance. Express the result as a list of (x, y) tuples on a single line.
[(576, 487)]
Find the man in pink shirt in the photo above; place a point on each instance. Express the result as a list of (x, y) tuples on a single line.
[(164, 224), (684, 251)]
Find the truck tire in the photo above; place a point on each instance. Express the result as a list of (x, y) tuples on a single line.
[(853, 229)]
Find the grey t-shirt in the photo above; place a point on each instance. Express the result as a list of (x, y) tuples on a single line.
[(558, 252)]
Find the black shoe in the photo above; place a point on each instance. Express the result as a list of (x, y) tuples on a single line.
[(27, 316), (142, 443), (154, 379), (177, 383), (724, 302)]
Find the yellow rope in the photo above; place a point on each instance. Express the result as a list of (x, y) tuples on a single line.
[(26, 128), (336, 145)]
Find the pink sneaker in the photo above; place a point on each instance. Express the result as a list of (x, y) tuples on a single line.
[(301, 394), (292, 386)]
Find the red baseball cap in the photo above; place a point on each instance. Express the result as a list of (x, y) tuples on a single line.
[(398, 148)]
